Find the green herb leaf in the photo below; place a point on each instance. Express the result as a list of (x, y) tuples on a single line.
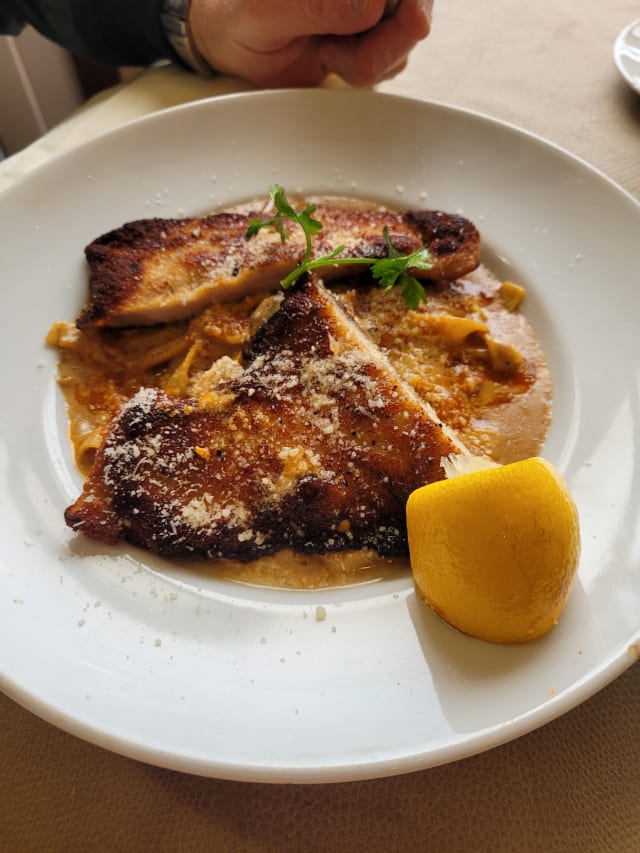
[(284, 211), (413, 291), (392, 271), (281, 202), (388, 272), (304, 218)]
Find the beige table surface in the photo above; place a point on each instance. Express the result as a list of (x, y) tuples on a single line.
[(573, 785)]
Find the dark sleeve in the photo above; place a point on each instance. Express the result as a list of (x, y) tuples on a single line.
[(109, 32)]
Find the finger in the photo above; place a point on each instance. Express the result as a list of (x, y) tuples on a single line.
[(365, 60), (295, 64), (285, 21), (322, 17), (395, 70)]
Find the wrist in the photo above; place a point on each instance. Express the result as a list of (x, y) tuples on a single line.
[(174, 15)]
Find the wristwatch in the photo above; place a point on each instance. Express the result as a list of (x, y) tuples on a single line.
[(174, 19)]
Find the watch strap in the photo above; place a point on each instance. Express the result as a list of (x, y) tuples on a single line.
[(174, 19)]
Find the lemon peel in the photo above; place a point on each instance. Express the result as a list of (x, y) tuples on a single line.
[(494, 549)]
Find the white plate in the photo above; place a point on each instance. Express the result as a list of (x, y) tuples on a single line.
[(230, 681), (626, 54)]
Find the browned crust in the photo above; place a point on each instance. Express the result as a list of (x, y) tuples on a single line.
[(156, 270), (315, 447)]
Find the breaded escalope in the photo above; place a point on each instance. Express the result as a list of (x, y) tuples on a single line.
[(315, 445), (158, 270)]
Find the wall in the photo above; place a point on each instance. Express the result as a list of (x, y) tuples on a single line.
[(40, 88)]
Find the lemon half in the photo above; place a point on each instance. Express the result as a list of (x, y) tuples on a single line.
[(494, 552)]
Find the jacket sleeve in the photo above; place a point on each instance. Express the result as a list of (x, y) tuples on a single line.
[(109, 32)]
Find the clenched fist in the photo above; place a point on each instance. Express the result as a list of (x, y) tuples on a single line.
[(298, 42)]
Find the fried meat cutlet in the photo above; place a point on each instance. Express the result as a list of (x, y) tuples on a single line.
[(157, 270), (315, 445)]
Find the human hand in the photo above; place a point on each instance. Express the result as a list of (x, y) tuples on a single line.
[(299, 42)]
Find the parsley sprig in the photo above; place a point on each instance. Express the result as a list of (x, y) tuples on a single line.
[(389, 272)]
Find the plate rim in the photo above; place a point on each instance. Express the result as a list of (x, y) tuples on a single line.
[(200, 103), (618, 45), (581, 691)]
